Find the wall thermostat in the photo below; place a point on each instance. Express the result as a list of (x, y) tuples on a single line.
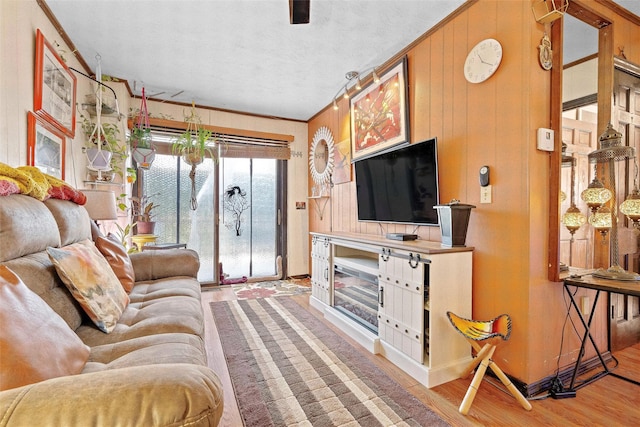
[(545, 139), (484, 176)]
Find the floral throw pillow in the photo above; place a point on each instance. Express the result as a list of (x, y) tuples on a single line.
[(91, 281)]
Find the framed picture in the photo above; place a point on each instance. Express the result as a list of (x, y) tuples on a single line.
[(379, 116), (45, 146), (342, 162), (54, 88)]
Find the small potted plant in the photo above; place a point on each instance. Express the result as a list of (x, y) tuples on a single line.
[(132, 175), (142, 211)]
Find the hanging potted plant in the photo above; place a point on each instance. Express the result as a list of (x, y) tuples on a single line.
[(140, 140), (193, 145), (142, 211), (103, 151)]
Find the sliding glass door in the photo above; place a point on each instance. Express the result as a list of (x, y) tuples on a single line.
[(249, 217), (246, 197)]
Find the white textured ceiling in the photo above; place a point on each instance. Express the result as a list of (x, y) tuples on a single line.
[(244, 55)]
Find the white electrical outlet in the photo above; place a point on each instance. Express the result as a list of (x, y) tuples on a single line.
[(485, 194)]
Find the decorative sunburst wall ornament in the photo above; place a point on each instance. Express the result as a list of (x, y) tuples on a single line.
[(321, 160)]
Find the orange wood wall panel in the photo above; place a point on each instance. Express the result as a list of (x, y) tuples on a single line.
[(493, 123)]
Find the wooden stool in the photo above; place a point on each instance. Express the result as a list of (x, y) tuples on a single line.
[(491, 332)]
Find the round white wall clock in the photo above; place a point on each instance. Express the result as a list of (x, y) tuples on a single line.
[(483, 60)]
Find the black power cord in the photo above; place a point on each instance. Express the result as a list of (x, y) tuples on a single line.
[(558, 391)]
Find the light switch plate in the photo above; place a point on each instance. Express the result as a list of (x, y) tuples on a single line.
[(545, 139)]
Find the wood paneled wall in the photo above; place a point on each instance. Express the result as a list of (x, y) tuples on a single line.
[(493, 123)]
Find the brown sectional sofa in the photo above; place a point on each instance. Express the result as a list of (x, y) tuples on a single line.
[(151, 370)]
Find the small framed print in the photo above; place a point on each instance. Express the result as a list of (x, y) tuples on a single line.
[(45, 146), (54, 95)]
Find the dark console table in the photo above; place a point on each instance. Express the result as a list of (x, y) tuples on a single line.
[(600, 285)]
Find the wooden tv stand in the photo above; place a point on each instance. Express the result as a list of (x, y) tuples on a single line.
[(418, 282)]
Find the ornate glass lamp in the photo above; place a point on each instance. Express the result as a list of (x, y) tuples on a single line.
[(611, 150), (595, 195), (572, 219), (631, 206), (601, 221)]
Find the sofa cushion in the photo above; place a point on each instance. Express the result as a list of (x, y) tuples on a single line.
[(38, 273), (152, 265), (91, 281), (163, 288), (149, 350), (118, 259), (26, 227), (172, 314), (35, 342), (73, 220)]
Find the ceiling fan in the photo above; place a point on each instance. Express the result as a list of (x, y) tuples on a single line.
[(299, 11)]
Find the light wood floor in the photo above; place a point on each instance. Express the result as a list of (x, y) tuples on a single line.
[(607, 402)]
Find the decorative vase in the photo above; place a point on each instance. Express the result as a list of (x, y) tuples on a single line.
[(144, 227)]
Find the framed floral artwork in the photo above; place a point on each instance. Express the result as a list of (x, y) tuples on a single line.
[(45, 146), (54, 95), (379, 113)]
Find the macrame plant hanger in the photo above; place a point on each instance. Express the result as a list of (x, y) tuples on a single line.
[(142, 148), (99, 159), (192, 129)]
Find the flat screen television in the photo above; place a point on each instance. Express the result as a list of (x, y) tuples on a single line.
[(399, 186)]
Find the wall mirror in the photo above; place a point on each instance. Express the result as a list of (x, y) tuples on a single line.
[(584, 70), (607, 96), (579, 137), (321, 161)]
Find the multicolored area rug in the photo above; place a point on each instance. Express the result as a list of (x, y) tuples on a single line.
[(289, 369), (271, 288)]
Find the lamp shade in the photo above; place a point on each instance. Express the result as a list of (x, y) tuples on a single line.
[(101, 205)]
